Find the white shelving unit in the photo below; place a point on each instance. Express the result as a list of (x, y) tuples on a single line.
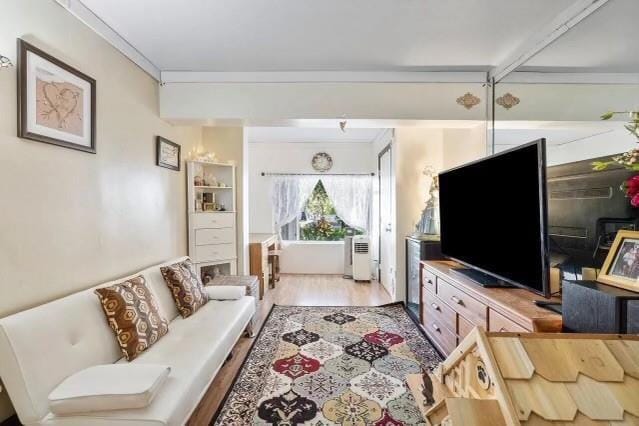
[(212, 233)]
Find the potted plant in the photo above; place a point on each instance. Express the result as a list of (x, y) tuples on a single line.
[(628, 160)]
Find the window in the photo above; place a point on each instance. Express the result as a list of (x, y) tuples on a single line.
[(318, 220)]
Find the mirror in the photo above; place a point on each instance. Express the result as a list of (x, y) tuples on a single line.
[(561, 94)]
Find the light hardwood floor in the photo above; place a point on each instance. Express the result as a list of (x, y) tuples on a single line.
[(296, 290)]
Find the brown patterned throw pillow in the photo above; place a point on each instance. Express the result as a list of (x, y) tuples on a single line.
[(186, 287), (133, 315)]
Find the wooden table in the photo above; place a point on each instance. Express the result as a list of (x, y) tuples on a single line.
[(259, 247)]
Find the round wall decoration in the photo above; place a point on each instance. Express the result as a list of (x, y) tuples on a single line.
[(322, 162)]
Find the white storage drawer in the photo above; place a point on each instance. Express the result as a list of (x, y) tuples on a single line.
[(213, 252), (214, 236), (213, 220)]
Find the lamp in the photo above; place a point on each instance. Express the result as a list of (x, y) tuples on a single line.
[(5, 62)]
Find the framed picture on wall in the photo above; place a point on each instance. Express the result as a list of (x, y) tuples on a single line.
[(56, 103), (167, 153), (621, 268)]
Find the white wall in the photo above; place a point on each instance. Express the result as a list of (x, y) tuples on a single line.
[(229, 144), (71, 220), (321, 258), (413, 149)]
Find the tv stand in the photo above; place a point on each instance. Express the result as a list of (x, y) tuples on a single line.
[(452, 304), (480, 278)]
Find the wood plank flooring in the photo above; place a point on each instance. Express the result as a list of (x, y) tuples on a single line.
[(296, 290)]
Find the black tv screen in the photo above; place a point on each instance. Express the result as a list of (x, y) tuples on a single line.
[(493, 216)]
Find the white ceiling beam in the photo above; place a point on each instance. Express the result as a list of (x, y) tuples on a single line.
[(90, 19), (324, 77), (562, 23), (529, 77)]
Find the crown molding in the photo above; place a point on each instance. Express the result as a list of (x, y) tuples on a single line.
[(324, 77)]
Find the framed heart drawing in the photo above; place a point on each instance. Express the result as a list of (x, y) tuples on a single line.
[(56, 103)]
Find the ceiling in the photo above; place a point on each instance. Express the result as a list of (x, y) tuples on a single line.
[(337, 35), (605, 41), (310, 135)]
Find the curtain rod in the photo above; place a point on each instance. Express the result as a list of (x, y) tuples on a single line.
[(316, 174)]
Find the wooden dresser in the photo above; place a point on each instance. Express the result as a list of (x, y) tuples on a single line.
[(453, 305)]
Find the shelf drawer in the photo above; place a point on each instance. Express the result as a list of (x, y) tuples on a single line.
[(214, 236), (499, 323), (443, 337), (436, 309), (213, 220), (428, 280), (470, 308), (213, 252)]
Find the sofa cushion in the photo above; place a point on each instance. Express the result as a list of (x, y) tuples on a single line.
[(108, 387), (225, 292), (133, 314), (186, 287)]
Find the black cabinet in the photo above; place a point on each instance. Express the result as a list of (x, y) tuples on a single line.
[(417, 250), (592, 307)]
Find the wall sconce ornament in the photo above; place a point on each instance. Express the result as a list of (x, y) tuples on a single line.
[(5, 62), (507, 101), (468, 100)]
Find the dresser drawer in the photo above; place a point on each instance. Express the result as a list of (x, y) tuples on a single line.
[(214, 236), (464, 327), (443, 337), (213, 252), (428, 280), (470, 308), (435, 309), (213, 220), (499, 323)]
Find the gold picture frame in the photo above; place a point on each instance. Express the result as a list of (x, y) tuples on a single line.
[(621, 268)]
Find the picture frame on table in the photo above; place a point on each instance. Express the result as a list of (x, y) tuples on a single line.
[(168, 154), (56, 102), (621, 267)]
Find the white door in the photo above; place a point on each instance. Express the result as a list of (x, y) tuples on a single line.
[(386, 231)]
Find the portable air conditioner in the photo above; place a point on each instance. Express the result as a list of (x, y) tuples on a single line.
[(361, 258), (348, 253)]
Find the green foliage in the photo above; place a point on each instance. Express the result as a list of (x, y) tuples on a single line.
[(317, 207), (319, 204), (630, 159)]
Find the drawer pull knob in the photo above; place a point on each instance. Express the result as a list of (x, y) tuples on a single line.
[(456, 300), (435, 306), (435, 326), (430, 282)]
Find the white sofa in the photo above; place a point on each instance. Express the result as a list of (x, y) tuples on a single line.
[(42, 346)]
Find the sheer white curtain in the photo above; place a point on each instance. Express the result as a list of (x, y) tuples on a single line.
[(352, 198), (289, 194)]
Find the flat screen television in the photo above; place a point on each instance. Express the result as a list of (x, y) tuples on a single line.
[(493, 215)]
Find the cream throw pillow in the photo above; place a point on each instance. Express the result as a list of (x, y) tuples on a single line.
[(108, 387)]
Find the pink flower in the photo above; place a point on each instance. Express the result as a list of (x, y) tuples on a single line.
[(632, 186), (632, 190)]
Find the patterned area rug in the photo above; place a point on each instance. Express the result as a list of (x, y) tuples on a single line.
[(320, 366)]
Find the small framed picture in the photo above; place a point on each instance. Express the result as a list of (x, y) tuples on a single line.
[(621, 268), (168, 154), (209, 207), (56, 103)]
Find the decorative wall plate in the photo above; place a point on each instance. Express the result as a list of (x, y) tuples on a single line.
[(322, 162), (468, 100), (507, 101)]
